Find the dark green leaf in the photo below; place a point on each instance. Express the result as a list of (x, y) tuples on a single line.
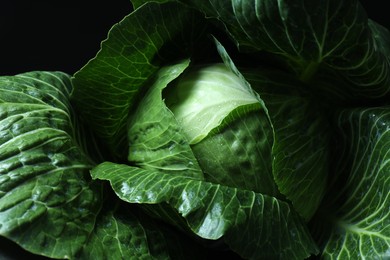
[(301, 147), (155, 138), (48, 204), (107, 87), (312, 36), (240, 155), (124, 232), (254, 225), (361, 215)]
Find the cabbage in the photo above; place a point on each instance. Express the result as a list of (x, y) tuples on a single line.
[(201, 129)]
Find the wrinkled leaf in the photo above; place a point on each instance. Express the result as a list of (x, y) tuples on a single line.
[(48, 203), (240, 154), (301, 147), (361, 215), (253, 225), (237, 152), (124, 232), (311, 37), (155, 138), (133, 52)]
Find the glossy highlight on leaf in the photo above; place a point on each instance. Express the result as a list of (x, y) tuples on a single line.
[(362, 222), (254, 225), (48, 204)]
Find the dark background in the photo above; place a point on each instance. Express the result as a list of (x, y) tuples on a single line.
[(64, 35), (54, 34)]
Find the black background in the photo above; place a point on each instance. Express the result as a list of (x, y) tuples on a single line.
[(54, 34), (64, 35)]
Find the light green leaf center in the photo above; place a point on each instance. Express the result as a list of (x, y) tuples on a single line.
[(203, 98)]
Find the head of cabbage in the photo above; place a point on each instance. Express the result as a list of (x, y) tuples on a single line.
[(209, 123), (226, 127)]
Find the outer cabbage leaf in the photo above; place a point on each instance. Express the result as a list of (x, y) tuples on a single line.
[(133, 52), (361, 228), (300, 149), (312, 36), (255, 226), (48, 203), (119, 236), (155, 138), (125, 232), (300, 135)]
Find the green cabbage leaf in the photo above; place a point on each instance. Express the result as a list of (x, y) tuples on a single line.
[(359, 208)]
